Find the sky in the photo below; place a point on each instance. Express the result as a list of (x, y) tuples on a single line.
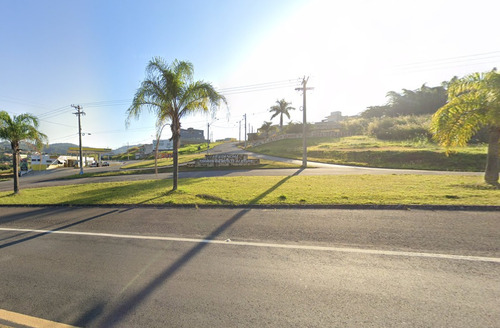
[(58, 53)]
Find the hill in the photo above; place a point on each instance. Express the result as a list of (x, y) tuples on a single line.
[(58, 148)]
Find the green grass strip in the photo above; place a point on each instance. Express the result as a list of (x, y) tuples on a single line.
[(342, 189)]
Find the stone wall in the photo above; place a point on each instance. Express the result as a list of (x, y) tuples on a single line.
[(219, 160)]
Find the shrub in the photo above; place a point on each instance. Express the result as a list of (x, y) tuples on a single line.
[(354, 126), (400, 128)]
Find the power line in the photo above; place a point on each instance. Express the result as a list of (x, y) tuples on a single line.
[(492, 54), (259, 87), (450, 63)]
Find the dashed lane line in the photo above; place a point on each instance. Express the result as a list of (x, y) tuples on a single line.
[(269, 245)]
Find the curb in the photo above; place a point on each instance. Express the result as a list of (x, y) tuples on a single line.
[(479, 208)]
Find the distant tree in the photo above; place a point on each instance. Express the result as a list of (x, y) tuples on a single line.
[(265, 128), (169, 92), (281, 108), (375, 111), (425, 100), (473, 102), (19, 128)]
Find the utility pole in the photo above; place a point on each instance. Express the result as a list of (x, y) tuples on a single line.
[(304, 120), (208, 137), (245, 116), (79, 113)]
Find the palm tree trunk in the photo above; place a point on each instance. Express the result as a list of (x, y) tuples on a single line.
[(492, 165), (15, 163), (156, 154), (176, 132)]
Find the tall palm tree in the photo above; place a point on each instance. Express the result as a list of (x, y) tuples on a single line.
[(281, 108), (473, 103), (170, 93), (19, 128)]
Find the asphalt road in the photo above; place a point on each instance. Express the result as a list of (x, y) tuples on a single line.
[(131, 267), (54, 177)]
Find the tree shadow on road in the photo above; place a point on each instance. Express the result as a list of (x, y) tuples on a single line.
[(117, 314)]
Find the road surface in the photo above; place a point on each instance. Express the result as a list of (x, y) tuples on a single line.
[(129, 267)]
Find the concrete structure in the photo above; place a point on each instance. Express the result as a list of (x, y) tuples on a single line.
[(226, 160), (47, 162), (162, 146), (192, 136), (331, 122), (98, 152)]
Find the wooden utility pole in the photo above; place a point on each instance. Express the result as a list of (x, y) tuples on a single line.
[(304, 120), (79, 113)]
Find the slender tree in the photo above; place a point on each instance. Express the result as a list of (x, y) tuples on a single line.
[(266, 127), (19, 128), (169, 92), (473, 103), (281, 108)]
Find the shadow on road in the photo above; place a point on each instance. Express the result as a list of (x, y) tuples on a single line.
[(128, 305)]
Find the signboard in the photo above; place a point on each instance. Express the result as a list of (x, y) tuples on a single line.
[(226, 160)]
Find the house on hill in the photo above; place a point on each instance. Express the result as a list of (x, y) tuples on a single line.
[(331, 122), (190, 136)]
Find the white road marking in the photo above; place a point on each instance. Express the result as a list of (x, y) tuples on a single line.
[(254, 244)]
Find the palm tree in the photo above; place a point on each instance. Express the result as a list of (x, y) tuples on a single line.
[(266, 127), (169, 92), (19, 128), (281, 108), (473, 103)]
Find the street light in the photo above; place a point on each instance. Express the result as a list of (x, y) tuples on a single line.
[(208, 134)]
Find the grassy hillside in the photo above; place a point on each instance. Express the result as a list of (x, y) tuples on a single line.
[(371, 152)]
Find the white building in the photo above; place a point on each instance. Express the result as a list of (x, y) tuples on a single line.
[(47, 162), (164, 145)]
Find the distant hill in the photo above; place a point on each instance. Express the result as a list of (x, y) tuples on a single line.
[(5, 146), (58, 148), (123, 149)]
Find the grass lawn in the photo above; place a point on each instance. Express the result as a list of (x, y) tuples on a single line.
[(145, 168), (306, 190), (371, 152)]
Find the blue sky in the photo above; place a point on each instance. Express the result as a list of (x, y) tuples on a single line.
[(93, 53)]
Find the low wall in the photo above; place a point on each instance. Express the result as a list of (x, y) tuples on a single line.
[(220, 160)]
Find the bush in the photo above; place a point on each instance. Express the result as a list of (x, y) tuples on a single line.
[(354, 126), (297, 127), (400, 128)]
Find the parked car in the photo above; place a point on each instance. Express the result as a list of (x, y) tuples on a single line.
[(94, 164), (105, 164)]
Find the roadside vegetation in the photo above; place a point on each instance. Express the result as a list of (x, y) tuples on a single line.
[(187, 153), (289, 190), (372, 152), (147, 167), (451, 127)]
